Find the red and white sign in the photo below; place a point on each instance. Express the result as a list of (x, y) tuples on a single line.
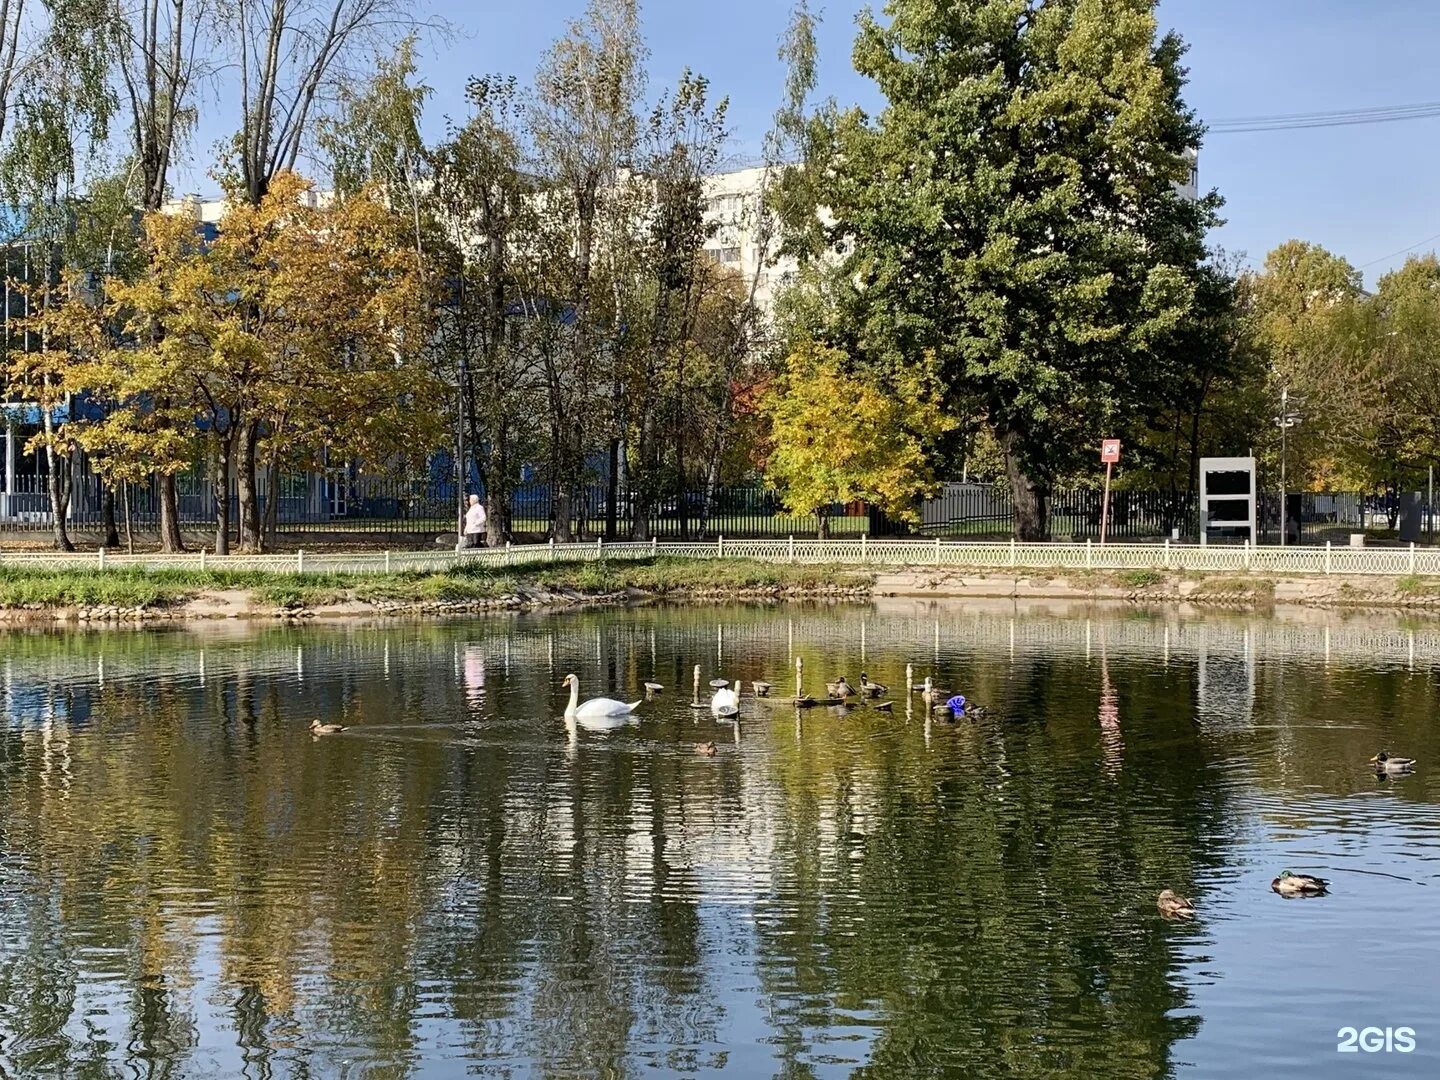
[(1110, 451)]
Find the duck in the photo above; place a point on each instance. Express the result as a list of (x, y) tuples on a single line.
[(1174, 906), (726, 701), (1288, 884), (930, 693), (705, 749), (317, 728), (840, 688), (762, 689), (595, 708), (872, 689), (1385, 762)]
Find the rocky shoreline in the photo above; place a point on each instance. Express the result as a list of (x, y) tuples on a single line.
[(234, 605), (1253, 592)]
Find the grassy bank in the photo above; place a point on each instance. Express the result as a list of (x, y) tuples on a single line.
[(128, 588)]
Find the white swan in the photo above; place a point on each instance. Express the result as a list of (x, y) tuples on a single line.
[(599, 708), (726, 701)]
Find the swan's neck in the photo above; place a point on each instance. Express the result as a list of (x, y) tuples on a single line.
[(574, 696)]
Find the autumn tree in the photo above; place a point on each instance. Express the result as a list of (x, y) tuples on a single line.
[(841, 434), (298, 327)]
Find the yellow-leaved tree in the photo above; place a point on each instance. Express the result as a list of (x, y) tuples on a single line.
[(839, 433), (294, 339)]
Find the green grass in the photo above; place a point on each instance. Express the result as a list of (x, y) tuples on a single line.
[(1141, 579), (160, 588)]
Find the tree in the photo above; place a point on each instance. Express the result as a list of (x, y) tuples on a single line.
[(1013, 213), (839, 435), (481, 200), (683, 142), (160, 65), (584, 125), (299, 326)]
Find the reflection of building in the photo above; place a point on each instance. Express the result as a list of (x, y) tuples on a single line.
[(1225, 690)]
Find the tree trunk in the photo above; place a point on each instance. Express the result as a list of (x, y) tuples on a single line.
[(822, 523), (612, 490), (59, 484), (170, 539), (247, 494), (107, 517), (1032, 498), (562, 493), (129, 529), (221, 486), (272, 506)]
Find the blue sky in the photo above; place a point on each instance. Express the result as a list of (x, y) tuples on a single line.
[(1365, 192)]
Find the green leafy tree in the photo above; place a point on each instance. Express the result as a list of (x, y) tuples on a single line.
[(1013, 212)]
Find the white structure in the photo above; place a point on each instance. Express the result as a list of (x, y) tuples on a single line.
[(1227, 497)]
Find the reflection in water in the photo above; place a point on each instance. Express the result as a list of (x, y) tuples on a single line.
[(464, 882)]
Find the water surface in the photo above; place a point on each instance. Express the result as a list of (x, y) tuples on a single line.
[(462, 884)]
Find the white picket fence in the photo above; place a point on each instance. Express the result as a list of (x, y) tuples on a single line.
[(1388, 561)]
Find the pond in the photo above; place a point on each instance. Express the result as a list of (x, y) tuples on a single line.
[(463, 884)]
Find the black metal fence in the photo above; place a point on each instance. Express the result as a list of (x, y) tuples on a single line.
[(341, 503)]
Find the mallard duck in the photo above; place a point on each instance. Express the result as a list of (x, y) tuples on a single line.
[(705, 749), (840, 688), (1385, 762), (317, 728), (1288, 884), (872, 689), (762, 689), (1174, 906)]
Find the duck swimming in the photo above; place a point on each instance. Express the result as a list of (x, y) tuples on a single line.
[(705, 749), (1174, 906), (317, 728), (840, 688), (1385, 762), (1288, 884), (872, 689)]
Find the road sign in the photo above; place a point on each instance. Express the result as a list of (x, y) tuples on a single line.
[(1110, 451)]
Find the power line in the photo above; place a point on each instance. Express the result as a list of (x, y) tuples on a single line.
[(1402, 251), (1382, 114)]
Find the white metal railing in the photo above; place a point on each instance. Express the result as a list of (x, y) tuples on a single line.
[(1393, 561)]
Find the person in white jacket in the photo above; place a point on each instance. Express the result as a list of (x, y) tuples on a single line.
[(475, 524)]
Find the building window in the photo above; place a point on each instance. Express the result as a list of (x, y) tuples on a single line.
[(725, 256)]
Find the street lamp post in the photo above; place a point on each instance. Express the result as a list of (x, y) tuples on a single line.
[(1284, 421)]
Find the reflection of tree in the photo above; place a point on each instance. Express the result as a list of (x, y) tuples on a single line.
[(993, 922), (980, 907)]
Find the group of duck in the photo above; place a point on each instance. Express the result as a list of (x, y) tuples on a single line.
[(1289, 885), (724, 699), (841, 693)]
